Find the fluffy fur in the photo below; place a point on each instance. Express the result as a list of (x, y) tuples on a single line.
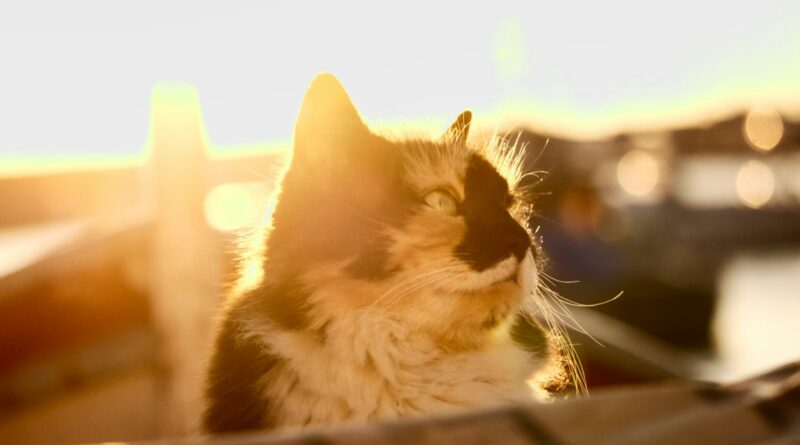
[(399, 279)]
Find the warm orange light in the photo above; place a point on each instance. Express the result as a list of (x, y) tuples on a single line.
[(755, 184), (230, 207), (763, 128), (637, 172)]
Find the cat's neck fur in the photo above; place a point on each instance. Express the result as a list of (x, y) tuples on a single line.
[(366, 365)]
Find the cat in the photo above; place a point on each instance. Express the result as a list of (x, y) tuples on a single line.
[(399, 279)]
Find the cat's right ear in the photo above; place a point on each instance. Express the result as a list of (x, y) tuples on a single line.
[(328, 125), (459, 130)]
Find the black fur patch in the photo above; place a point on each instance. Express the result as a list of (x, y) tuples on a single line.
[(344, 212), (372, 263), (234, 400), (528, 335), (492, 234), (285, 303)]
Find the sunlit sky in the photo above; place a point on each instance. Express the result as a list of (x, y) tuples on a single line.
[(76, 77)]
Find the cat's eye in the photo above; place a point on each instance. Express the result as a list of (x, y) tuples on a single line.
[(442, 201)]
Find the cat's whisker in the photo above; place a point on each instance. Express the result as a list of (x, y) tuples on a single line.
[(556, 316), (400, 285), (541, 152), (378, 222), (396, 297), (423, 279), (536, 174), (412, 284), (551, 280)]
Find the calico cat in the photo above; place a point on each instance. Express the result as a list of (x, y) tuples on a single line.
[(399, 279)]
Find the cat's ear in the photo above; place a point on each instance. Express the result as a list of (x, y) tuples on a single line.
[(328, 123), (459, 130)]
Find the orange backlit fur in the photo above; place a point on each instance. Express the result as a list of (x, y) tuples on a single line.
[(399, 279)]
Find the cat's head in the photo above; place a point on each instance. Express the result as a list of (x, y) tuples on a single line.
[(430, 232)]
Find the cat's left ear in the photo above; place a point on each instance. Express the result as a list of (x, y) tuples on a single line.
[(328, 128), (459, 130)]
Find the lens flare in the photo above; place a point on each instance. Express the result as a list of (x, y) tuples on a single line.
[(755, 184), (763, 128), (637, 172)]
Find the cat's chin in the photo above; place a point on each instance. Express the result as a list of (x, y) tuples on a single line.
[(509, 284), (502, 274), (513, 277), (510, 276), (506, 291)]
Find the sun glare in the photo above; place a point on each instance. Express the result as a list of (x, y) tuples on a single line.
[(513, 63), (230, 207)]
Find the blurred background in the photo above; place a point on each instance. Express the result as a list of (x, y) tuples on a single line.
[(139, 140)]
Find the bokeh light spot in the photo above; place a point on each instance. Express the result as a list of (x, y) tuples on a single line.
[(755, 184), (763, 128), (637, 172), (229, 207)]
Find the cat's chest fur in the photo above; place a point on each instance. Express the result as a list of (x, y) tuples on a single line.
[(367, 367)]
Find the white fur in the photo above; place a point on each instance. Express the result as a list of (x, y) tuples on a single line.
[(467, 280), (372, 365)]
